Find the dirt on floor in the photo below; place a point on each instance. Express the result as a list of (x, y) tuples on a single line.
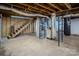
[(72, 42), (2, 51), (29, 45)]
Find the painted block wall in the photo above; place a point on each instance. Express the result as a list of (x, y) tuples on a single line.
[(75, 26)]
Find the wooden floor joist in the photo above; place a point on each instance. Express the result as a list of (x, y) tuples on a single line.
[(42, 8)]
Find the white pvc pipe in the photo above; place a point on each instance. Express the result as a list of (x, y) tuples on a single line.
[(21, 17), (71, 15)]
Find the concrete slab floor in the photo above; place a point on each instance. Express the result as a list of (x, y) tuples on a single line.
[(28, 45)]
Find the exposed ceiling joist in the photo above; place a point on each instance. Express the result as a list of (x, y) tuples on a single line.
[(41, 10), (18, 6), (21, 13), (31, 10), (68, 5), (46, 7), (55, 7), (28, 9), (71, 11)]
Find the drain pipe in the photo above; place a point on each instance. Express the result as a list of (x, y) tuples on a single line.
[(71, 15)]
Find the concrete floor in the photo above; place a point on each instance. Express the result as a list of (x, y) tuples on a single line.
[(29, 45), (72, 42)]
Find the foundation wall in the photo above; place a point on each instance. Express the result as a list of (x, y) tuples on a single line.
[(16, 22)]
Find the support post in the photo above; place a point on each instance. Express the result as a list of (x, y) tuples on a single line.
[(58, 31), (30, 27), (0, 29), (37, 27), (33, 26), (53, 29), (6, 26), (62, 30)]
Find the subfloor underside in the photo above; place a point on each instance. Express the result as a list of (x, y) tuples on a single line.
[(29, 45)]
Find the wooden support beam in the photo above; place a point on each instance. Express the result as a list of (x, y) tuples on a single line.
[(55, 6), (68, 6), (46, 7)]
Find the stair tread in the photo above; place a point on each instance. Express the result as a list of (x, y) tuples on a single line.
[(19, 30)]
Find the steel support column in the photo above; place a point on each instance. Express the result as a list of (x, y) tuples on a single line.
[(62, 29), (58, 31)]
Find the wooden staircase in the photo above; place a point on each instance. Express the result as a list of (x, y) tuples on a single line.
[(19, 30)]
